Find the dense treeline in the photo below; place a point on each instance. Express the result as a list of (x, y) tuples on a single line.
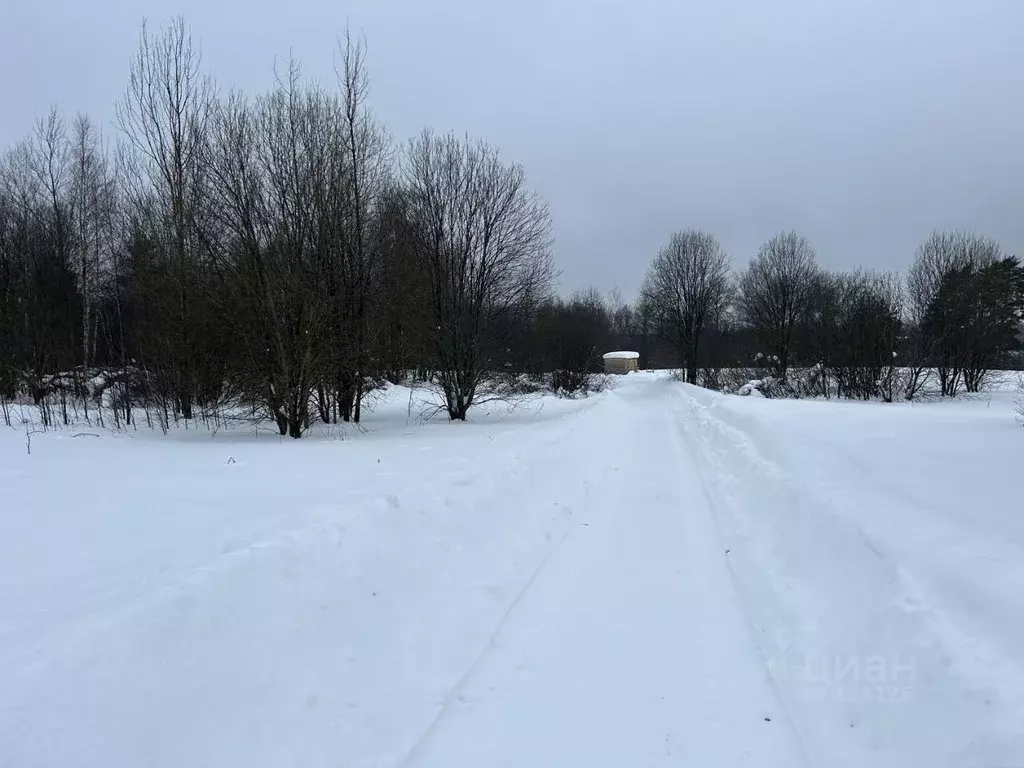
[(274, 255), (278, 257), (852, 334)]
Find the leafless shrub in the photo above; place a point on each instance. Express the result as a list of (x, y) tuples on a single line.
[(710, 378)]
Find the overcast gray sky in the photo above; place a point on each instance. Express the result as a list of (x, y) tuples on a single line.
[(861, 123)]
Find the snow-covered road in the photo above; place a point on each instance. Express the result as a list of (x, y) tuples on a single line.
[(629, 645), (656, 576)]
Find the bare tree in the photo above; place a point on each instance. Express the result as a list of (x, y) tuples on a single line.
[(51, 163), (688, 288), (775, 293), (165, 116), (368, 157), (484, 238), (274, 163), (94, 200), (974, 322), (401, 307), (940, 255), (34, 179), (855, 333)]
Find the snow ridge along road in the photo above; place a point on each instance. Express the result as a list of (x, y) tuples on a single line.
[(655, 576)]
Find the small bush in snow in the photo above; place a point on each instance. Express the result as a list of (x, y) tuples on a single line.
[(732, 379), (577, 386), (569, 382), (764, 378), (808, 382), (514, 385), (769, 387), (710, 378), (751, 388)]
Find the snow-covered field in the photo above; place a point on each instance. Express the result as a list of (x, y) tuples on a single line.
[(656, 575)]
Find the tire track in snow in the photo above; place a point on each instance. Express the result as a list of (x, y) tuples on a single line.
[(787, 602), (961, 611), (453, 695), (843, 594), (623, 643), (686, 446), (422, 742)]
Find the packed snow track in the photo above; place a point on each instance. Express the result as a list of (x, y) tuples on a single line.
[(658, 575)]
